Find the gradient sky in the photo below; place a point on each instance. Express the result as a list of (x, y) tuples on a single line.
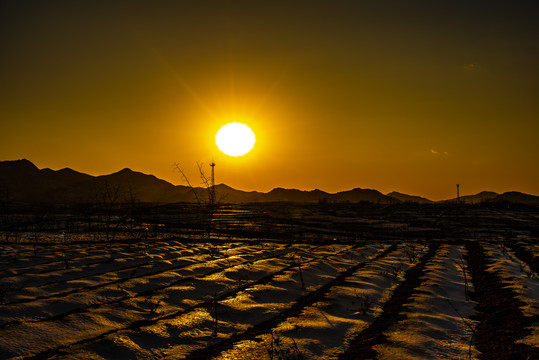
[(411, 96)]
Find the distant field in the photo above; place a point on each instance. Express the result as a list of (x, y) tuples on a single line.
[(285, 222)]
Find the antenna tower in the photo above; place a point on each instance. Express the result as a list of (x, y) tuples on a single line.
[(212, 183)]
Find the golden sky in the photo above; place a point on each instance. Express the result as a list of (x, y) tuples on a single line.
[(411, 96)]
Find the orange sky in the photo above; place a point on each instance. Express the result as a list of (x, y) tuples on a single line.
[(407, 96)]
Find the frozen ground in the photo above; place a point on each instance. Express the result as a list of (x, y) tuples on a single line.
[(245, 300)]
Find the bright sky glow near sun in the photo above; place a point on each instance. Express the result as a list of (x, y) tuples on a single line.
[(401, 96)]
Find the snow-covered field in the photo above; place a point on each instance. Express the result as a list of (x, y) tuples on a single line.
[(252, 300)]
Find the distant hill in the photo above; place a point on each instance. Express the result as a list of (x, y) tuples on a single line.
[(513, 197), (409, 198), (226, 194), (294, 195), (477, 198), (22, 182), (358, 195), (516, 197)]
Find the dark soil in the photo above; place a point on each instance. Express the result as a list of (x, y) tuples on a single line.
[(501, 322), (526, 256)]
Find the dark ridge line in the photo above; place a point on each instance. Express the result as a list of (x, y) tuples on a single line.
[(525, 256), (137, 324), (501, 322), (361, 347), (143, 293), (296, 308)]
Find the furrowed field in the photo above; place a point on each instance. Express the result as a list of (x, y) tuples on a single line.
[(311, 282)]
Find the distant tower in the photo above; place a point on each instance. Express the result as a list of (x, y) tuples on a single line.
[(212, 183), (458, 195)]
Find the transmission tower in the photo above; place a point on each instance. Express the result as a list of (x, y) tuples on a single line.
[(212, 184)]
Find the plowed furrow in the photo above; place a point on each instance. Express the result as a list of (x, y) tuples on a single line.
[(124, 298), (501, 322), (135, 325), (294, 310), (526, 256), (133, 268), (393, 312)]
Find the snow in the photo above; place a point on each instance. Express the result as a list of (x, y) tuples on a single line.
[(322, 331), (517, 275), (157, 300), (245, 308), (438, 324)]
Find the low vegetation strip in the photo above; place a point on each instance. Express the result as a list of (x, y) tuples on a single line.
[(501, 322), (393, 311), (297, 307)]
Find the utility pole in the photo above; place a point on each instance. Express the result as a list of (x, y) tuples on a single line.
[(212, 185), (458, 195)]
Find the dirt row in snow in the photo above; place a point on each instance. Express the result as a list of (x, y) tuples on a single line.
[(319, 325), (406, 300), (110, 285), (362, 346), (75, 319), (517, 276), (116, 273), (64, 261), (247, 340), (527, 253), (194, 327), (21, 258), (104, 308), (501, 323), (438, 321)]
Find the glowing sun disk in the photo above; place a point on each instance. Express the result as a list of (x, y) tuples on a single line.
[(235, 139)]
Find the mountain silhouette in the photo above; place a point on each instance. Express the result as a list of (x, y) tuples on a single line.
[(477, 198), (294, 195), (359, 195), (24, 183), (516, 197), (409, 198)]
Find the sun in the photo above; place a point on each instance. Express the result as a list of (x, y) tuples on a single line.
[(235, 139)]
